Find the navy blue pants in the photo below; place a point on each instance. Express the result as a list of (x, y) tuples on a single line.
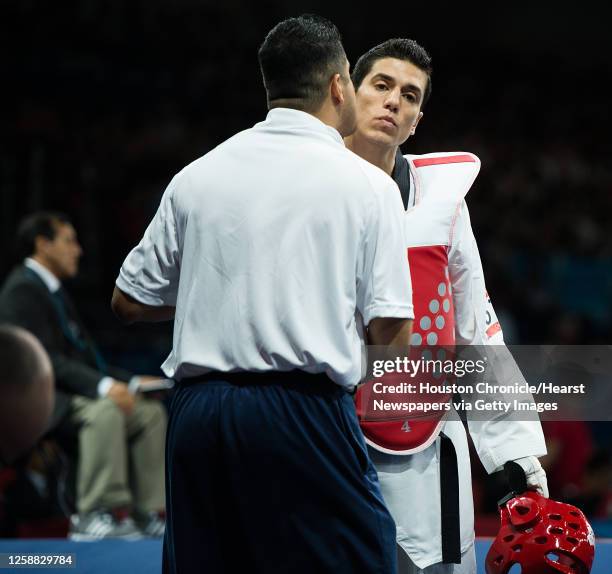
[(270, 474)]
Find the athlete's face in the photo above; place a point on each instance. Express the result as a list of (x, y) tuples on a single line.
[(389, 101)]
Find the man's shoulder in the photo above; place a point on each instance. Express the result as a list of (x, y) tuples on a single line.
[(18, 276), (375, 176), (23, 282), (21, 294), (444, 176), (211, 157), (443, 159)]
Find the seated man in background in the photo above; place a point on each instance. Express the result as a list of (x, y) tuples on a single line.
[(117, 429), (26, 391)]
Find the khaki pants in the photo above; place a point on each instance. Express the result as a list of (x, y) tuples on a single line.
[(121, 458)]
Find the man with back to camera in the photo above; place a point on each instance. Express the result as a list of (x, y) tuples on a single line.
[(113, 425), (393, 82), (266, 251)]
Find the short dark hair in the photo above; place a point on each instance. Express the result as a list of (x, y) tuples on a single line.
[(401, 49), (297, 59), (34, 225)]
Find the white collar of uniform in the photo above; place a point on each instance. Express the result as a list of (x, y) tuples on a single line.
[(290, 118), (50, 280)]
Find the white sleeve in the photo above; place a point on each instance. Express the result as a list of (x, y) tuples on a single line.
[(475, 319), (384, 287), (496, 441), (150, 272)]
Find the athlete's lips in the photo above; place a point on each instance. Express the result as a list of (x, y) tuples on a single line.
[(387, 120)]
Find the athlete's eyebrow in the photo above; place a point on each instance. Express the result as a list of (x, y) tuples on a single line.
[(392, 80)]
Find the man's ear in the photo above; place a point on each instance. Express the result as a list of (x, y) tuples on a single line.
[(41, 243), (416, 123), (336, 89)]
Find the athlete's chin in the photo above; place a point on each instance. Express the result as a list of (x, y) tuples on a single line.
[(382, 138)]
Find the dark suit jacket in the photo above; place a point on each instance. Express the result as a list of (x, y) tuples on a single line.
[(27, 302)]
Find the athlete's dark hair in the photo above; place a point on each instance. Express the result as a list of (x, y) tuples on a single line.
[(298, 58), (40, 223), (401, 49)]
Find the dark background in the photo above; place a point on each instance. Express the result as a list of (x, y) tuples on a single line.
[(105, 100)]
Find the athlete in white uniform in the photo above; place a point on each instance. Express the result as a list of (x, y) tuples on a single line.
[(451, 307)]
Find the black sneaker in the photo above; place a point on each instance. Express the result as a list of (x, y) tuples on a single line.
[(102, 524), (151, 524)]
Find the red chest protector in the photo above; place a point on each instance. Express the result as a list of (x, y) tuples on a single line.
[(441, 183)]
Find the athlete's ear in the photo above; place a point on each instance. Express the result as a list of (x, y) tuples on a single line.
[(416, 122)]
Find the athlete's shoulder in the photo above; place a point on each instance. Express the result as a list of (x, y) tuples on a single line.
[(444, 176), (443, 158)]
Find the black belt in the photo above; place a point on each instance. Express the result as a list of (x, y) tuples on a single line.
[(296, 379), (449, 502)]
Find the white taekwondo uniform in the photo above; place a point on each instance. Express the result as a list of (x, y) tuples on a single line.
[(451, 307)]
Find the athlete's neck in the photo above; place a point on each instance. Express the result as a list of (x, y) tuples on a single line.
[(381, 156)]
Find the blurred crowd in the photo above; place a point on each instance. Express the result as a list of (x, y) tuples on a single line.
[(109, 99)]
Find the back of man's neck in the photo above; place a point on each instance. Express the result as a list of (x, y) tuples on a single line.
[(323, 114)]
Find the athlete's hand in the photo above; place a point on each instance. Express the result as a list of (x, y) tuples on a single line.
[(534, 473)]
